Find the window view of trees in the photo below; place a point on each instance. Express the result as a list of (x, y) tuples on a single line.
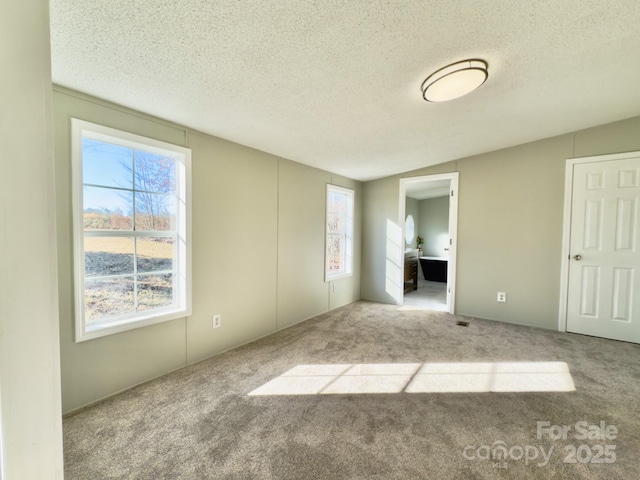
[(129, 219), (336, 235), (339, 231)]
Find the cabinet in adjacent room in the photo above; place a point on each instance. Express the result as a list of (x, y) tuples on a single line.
[(410, 271)]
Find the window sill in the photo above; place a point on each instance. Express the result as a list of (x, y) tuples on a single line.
[(118, 326), (331, 278)]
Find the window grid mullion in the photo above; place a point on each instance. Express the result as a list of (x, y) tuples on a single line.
[(133, 190), (93, 278), (135, 274), (131, 233), (123, 189)]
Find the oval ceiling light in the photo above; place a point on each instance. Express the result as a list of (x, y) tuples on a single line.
[(455, 80)]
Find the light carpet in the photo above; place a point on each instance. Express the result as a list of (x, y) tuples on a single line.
[(201, 423)]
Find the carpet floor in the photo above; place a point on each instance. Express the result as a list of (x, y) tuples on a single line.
[(201, 423)]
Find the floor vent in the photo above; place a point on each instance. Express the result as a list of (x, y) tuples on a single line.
[(462, 324)]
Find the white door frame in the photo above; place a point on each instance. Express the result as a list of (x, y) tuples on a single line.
[(566, 226), (453, 226)]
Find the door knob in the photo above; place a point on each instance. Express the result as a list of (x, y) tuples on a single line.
[(577, 257)]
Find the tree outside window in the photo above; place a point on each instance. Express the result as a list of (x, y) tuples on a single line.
[(339, 248), (131, 244)]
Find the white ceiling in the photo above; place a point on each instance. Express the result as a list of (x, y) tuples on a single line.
[(427, 189), (336, 84)]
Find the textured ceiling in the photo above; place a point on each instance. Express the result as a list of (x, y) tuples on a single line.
[(336, 84), (427, 189)]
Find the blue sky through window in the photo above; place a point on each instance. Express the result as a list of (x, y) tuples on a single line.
[(109, 165), (106, 164)]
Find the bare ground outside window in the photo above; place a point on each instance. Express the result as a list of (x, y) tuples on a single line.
[(108, 297)]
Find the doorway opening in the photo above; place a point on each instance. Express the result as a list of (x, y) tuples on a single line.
[(429, 218)]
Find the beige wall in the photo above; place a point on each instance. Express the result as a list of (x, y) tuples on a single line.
[(434, 226), (302, 291), (510, 233), (30, 411), (258, 255), (509, 224), (235, 232), (379, 212)]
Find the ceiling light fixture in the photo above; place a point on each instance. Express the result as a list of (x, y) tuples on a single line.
[(455, 80)]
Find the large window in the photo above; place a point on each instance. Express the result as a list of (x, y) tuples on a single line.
[(131, 230), (339, 254)]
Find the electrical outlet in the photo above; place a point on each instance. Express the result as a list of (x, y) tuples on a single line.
[(334, 287), (502, 297), (217, 321)]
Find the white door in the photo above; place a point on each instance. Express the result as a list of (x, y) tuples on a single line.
[(604, 262)]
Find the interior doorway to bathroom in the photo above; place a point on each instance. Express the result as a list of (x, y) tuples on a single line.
[(429, 213)]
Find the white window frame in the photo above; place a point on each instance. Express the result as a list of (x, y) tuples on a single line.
[(182, 255), (349, 227)]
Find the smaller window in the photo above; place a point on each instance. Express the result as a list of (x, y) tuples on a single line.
[(339, 248)]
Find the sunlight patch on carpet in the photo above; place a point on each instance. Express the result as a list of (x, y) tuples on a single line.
[(462, 377)]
